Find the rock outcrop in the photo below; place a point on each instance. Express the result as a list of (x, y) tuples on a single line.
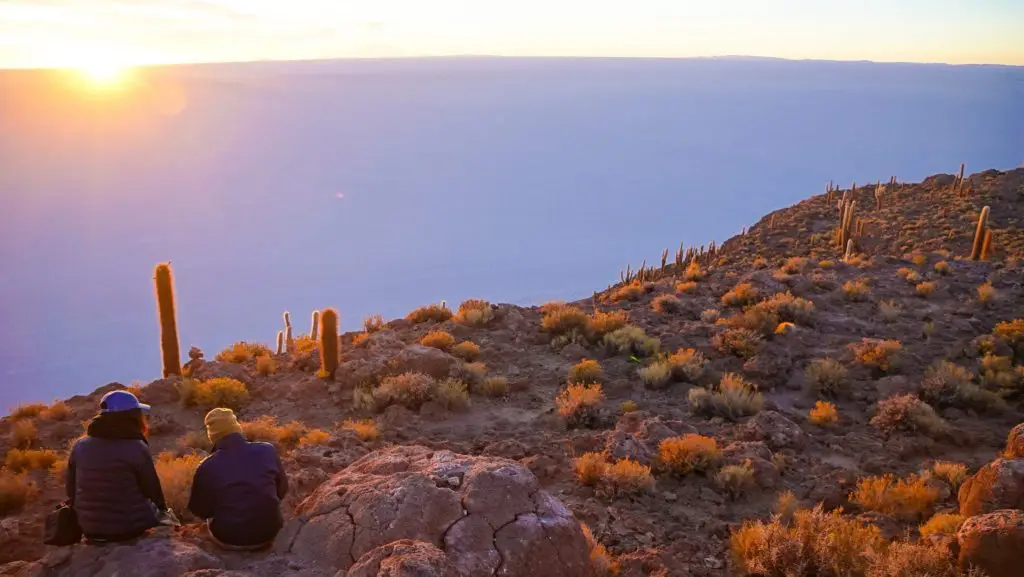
[(997, 485), (994, 543), (487, 515)]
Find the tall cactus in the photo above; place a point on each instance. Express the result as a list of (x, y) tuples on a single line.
[(280, 342), (314, 330), (328, 342), (986, 245), (979, 234), (169, 348), (288, 332)]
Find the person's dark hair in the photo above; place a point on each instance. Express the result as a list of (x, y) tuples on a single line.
[(122, 424)]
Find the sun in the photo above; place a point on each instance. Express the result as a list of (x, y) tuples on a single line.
[(101, 74)]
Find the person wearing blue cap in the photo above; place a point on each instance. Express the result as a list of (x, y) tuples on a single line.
[(111, 480)]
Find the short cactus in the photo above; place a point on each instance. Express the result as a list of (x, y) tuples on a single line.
[(288, 332), (314, 330), (280, 342), (328, 343), (979, 234), (169, 347)]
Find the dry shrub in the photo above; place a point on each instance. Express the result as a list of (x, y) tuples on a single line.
[(196, 441), (365, 429), (467, 351), (816, 544), (656, 375), (785, 505), (740, 295), (946, 384), (736, 479), (790, 308), (586, 371), (59, 470), (925, 289), (743, 343), (601, 561), (733, 398), (942, 524), (16, 491), (942, 267), (826, 377), (910, 414), (757, 318), (266, 429), (473, 374), (686, 287), (883, 356), (794, 265), (474, 313), (919, 259), (438, 340), (590, 468), (601, 323), (689, 453), (906, 499), (631, 340), (709, 315), (314, 437), (693, 272), (687, 365), (987, 293), (578, 402), (494, 387), (903, 559), (823, 414), (266, 365), (629, 292), (28, 411), (628, 406), (24, 434), (437, 313), (410, 390), (953, 473), (561, 319), (452, 394), (374, 323), (216, 392), (667, 304), (58, 411), (856, 290), (242, 352), (628, 477), (20, 460), (176, 475), (826, 264), (1012, 333), (304, 345), (889, 311)]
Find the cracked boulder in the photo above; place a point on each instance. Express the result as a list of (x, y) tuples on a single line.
[(161, 557), (997, 485), (487, 515), (404, 558)]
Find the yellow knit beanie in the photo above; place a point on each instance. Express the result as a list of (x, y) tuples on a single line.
[(220, 423)]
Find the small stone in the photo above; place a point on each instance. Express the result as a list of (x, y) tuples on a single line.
[(454, 482), (670, 497)]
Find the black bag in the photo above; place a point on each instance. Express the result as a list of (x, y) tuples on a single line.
[(62, 527)]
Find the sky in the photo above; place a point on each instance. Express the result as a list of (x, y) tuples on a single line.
[(74, 33)]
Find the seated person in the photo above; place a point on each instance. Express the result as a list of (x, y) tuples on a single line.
[(239, 487), (111, 481)]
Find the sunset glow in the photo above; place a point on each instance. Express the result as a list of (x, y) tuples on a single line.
[(102, 75)]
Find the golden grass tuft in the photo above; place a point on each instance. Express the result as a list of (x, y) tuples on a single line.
[(474, 313), (21, 460), (16, 491), (266, 366), (24, 434), (58, 411), (590, 468), (987, 293), (881, 355), (452, 394), (628, 406), (314, 437), (694, 272), (709, 315), (925, 289), (910, 414), (494, 386), (374, 323), (631, 340), (733, 398), (740, 295), (438, 340), (628, 477), (953, 473), (267, 429), (907, 499), (826, 377), (946, 384), (365, 429), (689, 453), (741, 342), (736, 480), (889, 311), (410, 390), (667, 304), (919, 259), (586, 371), (856, 290), (467, 351), (242, 352), (436, 313), (824, 414), (28, 411), (578, 402), (942, 524), (176, 475), (473, 374), (601, 323), (628, 292), (601, 562), (360, 338), (687, 364), (216, 392), (560, 319), (794, 265), (942, 267), (686, 287), (656, 375)]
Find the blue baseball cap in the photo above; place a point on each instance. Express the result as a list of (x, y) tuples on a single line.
[(120, 401)]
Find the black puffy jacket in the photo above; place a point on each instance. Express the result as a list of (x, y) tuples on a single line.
[(239, 487), (112, 482)]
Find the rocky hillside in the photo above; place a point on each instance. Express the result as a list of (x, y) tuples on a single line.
[(852, 389)]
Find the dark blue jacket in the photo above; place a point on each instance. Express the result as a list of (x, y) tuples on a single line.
[(113, 487), (239, 487)]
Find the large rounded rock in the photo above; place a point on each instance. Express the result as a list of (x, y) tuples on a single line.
[(486, 514), (153, 557), (775, 430), (404, 559), (993, 543), (997, 485), (1015, 443)]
